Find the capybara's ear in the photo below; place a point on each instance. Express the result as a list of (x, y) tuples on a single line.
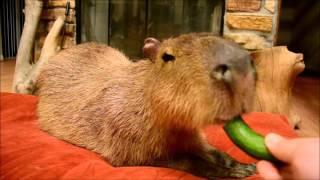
[(150, 48)]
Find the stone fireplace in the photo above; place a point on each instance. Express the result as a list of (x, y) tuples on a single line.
[(124, 24), (251, 23)]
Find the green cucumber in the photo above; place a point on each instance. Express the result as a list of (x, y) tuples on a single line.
[(248, 140)]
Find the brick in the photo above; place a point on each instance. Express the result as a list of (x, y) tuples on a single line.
[(69, 28), (270, 5), (52, 14), (45, 26), (249, 22), (243, 5), (68, 41), (58, 3), (250, 41)]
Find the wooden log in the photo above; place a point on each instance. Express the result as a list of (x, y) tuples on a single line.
[(276, 68)]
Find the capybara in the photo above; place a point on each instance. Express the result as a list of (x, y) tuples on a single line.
[(149, 113)]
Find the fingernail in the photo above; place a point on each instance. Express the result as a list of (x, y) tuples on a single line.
[(273, 140)]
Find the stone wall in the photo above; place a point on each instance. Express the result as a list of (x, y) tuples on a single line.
[(51, 10), (251, 23)]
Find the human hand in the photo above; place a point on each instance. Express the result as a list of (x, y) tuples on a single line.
[(301, 156)]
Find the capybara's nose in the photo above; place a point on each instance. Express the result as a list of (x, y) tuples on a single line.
[(222, 72), (231, 63), (235, 69)]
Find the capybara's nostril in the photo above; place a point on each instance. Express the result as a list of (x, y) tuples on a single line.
[(222, 69), (222, 72)]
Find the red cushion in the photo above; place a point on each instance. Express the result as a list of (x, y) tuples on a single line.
[(29, 153)]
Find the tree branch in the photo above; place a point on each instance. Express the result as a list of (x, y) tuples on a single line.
[(33, 10)]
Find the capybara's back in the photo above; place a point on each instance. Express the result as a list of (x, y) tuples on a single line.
[(82, 92)]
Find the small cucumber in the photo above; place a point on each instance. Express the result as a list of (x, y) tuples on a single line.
[(248, 140)]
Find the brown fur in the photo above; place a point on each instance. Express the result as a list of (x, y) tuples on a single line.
[(143, 113)]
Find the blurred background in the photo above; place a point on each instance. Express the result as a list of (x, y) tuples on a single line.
[(124, 24), (299, 29)]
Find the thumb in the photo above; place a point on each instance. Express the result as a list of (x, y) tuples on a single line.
[(281, 148)]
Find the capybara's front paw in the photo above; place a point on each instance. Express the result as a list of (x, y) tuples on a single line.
[(242, 170)]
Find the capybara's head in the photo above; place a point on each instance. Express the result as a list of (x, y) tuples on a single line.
[(199, 78)]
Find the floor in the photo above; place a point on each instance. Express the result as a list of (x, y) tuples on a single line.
[(306, 99), (7, 70)]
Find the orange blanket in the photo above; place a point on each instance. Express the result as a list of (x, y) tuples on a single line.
[(29, 153)]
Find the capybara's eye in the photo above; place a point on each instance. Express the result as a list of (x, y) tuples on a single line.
[(168, 57)]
